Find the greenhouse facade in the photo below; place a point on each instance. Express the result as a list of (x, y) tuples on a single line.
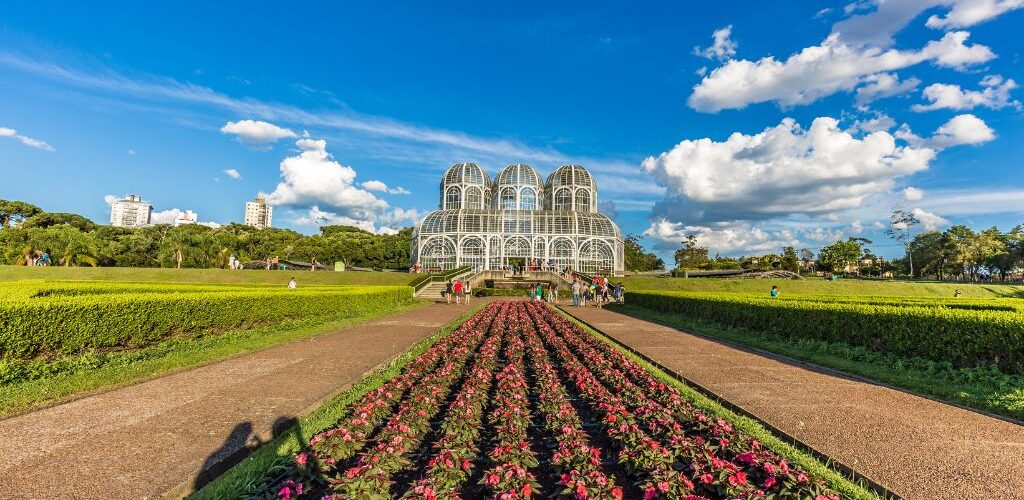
[(518, 220)]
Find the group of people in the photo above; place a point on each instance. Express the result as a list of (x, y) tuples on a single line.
[(538, 265), (458, 289), (600, 291), (541, 294), (38, 259), (234, 263)]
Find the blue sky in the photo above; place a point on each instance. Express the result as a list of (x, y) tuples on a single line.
[(752, 125)]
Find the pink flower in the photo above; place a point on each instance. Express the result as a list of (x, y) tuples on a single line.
[(768, 483), (650, 494), (707, 478), (738, 479), (617, 493), (769, 468), (302, 458), (285, 493), (802, 478)]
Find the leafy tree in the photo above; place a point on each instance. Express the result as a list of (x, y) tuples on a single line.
[(790, 260), (692, 256), (639, 260), (901, 225), (13, 212), (838, 256), (66, 244), (48, 219)]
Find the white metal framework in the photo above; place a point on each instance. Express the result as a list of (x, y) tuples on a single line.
[(518, 220)]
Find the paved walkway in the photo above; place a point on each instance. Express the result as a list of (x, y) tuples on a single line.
[(915, 447), (143, 440)]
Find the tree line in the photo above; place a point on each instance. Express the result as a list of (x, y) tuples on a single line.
[(958, 252), (73, 240)]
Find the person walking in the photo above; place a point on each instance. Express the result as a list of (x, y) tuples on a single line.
[(540, 292), (292, 284), (553, 296), (468, 290), (599, 296), (576, 293), (458, 291), (622, 293), (448, 290), (775, 291)]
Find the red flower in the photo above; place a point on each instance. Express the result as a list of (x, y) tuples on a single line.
[(617, 493), (526, 490), (768, 483), (581, 490), (707, 478), (738, 479)]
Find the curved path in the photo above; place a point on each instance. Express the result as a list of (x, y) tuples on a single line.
[(144, 440), (915, 447)]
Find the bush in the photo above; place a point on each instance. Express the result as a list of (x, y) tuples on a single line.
[(71, 324), (961, 336)]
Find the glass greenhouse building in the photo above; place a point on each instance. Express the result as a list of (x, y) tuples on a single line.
[(518, 220)]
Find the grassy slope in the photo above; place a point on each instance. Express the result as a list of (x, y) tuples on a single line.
[(164, 358), (820, 286), (10, 273), (272, 459), (846, 487)]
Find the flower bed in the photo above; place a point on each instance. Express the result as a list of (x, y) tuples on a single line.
[(465, 418)]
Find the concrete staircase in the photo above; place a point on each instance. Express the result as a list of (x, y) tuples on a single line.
[(433, 290)]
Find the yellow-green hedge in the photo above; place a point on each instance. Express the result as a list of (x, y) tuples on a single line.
[(964, 337), (59, 325)]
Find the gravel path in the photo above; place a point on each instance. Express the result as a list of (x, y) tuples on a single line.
[(143, 440), (915, 447)]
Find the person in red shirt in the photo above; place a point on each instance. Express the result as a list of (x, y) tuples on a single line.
[(458, 291)]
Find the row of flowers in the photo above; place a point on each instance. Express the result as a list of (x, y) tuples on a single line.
[(713, 459), (454, 453), (418, 386), (511, 456), (577, 462)]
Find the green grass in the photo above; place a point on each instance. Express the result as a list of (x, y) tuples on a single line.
[(846, 487), (272, 459), (206, 276), (819, 286), (66, 377), (982, 388)]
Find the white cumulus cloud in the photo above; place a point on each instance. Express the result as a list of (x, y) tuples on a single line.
[(913, 194), (995, 94), (233, 173), (722, 48), (970, 12), (883, 85), (381, 187), (314, 178), (24, 139), (255, 132), (929, 220), (823, 70), (782, 170)]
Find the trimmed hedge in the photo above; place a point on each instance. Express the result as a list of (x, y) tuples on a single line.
[(961, 336), (61, 325)]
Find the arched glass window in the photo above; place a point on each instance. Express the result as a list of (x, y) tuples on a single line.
[(595, 257), (561, 252), (508, 198), (474, 198), (437, 254), (528, 201), (473, 253), (582, 200), (517, 247), (563, 199), (453, 199)]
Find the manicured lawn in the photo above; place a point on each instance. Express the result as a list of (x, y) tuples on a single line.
[(146, 274), (74, 375), (983, 388), (820, 286)]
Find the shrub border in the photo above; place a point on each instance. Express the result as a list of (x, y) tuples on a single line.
[(844, 479), (263, 464)]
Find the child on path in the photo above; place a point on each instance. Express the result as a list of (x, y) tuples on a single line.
[(292, 285), (775, 291)]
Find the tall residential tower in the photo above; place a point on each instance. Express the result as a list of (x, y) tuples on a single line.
[(258, 214), (130, 211)]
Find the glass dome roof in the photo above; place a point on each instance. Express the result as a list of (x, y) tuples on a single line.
[(466, 173)]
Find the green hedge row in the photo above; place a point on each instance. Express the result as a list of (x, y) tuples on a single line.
[(73, 324), (963, 337)]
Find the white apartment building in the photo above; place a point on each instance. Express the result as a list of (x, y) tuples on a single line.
[(130, 211), (186, 217), (258, 214)]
